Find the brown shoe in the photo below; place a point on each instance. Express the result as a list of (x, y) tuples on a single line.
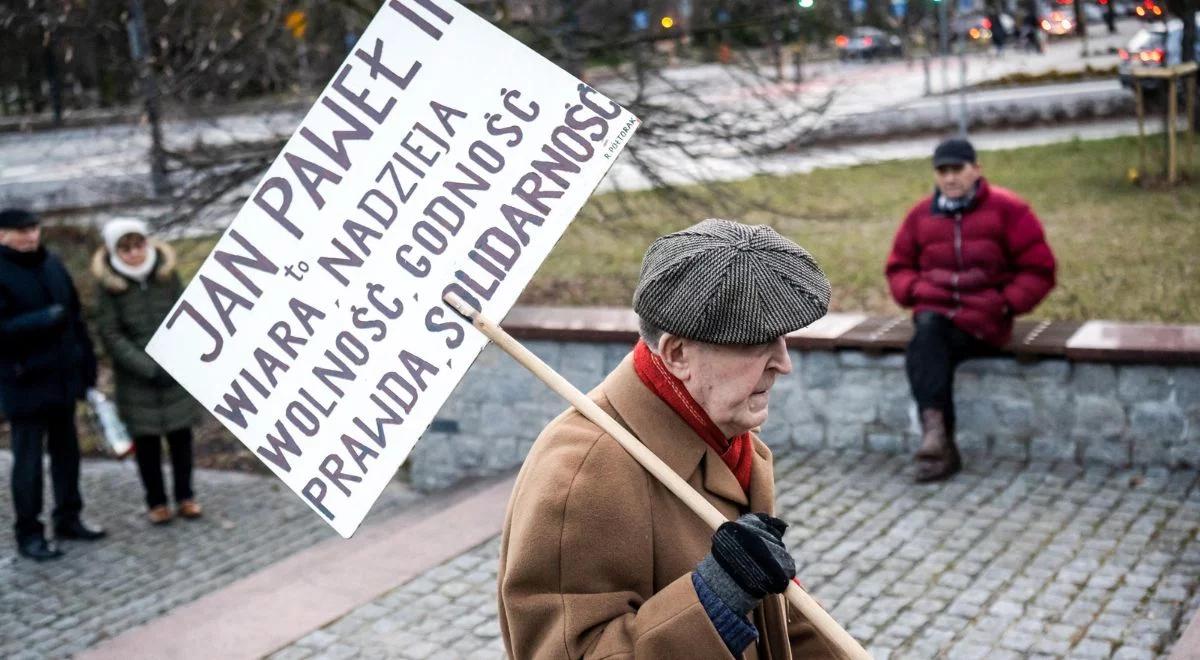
[(938, 456), (190, 509), (159, 515)]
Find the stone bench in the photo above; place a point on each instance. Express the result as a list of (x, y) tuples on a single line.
[(1116, 393), (1091, 341)]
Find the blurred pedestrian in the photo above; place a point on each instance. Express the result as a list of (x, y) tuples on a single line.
[(138, 285), (967, 259), (999, 32), (46, 365), (1031, 32), (1110, 16)]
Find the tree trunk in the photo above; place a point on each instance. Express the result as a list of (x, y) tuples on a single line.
[(54, 78), (1186, 11), (1080, 19)]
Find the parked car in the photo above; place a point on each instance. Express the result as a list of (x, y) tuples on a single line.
[(868, 43), (978, 29), (1156, 45), (1149, 10), (1059, 20)]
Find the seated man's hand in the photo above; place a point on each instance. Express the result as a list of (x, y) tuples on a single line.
[(748, 560)]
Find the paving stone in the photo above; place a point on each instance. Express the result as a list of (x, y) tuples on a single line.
[(1133, 653), (971, 651), (1091, 648), (1052, 647), (292, 653), (1007, 609), (1144, 383), (1018, 641), (318, 639)]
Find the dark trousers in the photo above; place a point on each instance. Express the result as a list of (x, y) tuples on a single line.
[(148, 449), (58, 430), (936, 350)]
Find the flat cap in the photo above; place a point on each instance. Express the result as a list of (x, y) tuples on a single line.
[(16, 219), (723, 282)]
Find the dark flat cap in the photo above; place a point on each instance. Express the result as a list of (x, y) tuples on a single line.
[(17, 219), (723, 282)]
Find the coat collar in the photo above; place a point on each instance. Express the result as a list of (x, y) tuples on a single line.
[(24, 259), (114, 282), (663, 432), (982, 190)]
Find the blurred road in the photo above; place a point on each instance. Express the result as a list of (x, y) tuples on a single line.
[(87, 167)]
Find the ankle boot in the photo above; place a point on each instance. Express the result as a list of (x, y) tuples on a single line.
[(938, 456)]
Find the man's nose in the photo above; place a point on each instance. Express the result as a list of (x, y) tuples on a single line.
[(781, 360)]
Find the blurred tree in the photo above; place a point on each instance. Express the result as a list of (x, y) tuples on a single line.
[(208, 53)]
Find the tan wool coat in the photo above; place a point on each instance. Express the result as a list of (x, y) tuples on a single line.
[(596, 556)]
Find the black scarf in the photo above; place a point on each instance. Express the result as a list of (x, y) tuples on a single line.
[(23, 259), (954, 205)]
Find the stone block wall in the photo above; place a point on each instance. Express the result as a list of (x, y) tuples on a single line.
[(1048, 410)]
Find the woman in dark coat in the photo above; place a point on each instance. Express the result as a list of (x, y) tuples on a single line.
[(138, 286)]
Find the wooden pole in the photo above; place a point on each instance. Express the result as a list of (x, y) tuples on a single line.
[(1172, 111), (841, 640), (1191, 120), (1141, 115)]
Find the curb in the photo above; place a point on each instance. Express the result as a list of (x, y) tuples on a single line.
[(282, 603)]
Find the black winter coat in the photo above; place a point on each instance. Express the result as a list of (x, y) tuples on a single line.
[(46, 357)]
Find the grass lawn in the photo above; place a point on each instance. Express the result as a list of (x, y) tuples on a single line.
[(1125, 253)]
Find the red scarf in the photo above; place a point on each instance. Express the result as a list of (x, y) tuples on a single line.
[(736, 452)]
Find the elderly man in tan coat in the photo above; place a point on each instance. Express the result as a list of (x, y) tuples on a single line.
[(598, 559)]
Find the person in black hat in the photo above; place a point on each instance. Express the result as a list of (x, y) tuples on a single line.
[(46, 365), (967, 259)]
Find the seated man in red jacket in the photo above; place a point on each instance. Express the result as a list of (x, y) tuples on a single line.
[(967, 259)]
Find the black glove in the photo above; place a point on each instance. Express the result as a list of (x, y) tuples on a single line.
[(161, 378), (748, 560)]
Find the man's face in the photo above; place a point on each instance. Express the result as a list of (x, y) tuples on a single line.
[(956, 180), (25, 239), (731, 383)]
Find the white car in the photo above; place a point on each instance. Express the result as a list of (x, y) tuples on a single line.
[(1159, 44)]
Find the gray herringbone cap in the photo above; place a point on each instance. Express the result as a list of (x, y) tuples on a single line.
[(723, 282)]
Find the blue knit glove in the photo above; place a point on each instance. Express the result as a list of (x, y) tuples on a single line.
[(748, 560)]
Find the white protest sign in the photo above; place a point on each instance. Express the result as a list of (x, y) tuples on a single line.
[(444, 156)]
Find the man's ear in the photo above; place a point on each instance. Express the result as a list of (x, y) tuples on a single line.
[(674, 357)]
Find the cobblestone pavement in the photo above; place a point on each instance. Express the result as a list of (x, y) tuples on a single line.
[(1006, 561), (140, 572)]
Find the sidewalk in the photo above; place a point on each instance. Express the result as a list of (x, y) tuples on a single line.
[(140, 572), (1007, 560)]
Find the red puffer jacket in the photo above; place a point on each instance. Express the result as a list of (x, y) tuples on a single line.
[(980, 267)]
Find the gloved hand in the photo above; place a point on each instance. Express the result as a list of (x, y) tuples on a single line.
[(748, 560), (56, 314)]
